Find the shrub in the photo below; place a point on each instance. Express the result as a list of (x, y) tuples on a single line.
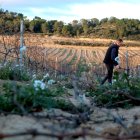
[(13, 73), (15, 97), (119, 94)]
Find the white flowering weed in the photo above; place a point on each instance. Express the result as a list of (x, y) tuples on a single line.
[(51, 81), (39, 85)]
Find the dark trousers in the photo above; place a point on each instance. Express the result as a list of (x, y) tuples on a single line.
[(109, 74)]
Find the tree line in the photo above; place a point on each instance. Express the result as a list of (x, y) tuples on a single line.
[(105, 28)]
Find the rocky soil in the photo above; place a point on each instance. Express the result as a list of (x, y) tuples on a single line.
[(101, 123)]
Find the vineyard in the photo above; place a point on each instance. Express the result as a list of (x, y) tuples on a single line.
[(53, 91), (44, 52)]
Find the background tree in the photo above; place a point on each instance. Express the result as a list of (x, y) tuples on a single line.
[(105, 28), (58, 25), (85, 26), (67, 30), (45, 27)]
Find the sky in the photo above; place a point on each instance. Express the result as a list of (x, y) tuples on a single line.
[(69, 10)]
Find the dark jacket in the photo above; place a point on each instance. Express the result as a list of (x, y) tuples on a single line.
[(111, 54)]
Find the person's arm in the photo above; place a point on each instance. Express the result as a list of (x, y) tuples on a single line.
[(113, 56)]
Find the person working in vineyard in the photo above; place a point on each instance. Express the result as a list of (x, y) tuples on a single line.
[(111, 60)]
